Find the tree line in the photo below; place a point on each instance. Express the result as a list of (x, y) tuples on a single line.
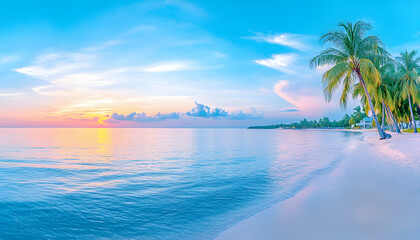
[(324, 122)]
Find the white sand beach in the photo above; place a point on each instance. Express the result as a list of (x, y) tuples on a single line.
[(373, 194)]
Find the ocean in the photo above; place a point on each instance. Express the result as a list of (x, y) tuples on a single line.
[(164, 183)]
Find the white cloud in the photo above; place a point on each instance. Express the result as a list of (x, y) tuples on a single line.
[(142, 28), (73, 73), (169, 67), (9, 59), (296, 41), (64, 56), (83, 80), (11, 94), (280, 62), (219, 54), (104, 45), (44, 72), (50, 66)]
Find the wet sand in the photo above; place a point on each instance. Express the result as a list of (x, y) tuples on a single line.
[(373, 194)]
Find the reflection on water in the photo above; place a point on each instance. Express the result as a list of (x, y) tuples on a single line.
[(152, 183)]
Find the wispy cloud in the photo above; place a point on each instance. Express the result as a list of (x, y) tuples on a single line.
[(42, 72), (142, 28), (104, 45), (219, 54), (86, 108), (280, 62), (296, 41), (188, 7), (69, 72), (9, 59), (11, 94), (49, 66), (304, 99), (169, 67)]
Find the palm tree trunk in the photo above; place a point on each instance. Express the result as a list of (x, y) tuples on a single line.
[(412, 116), (393, 119), (389, 121), (383, 114), (382, 134)]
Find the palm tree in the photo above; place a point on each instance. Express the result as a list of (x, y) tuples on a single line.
[(388, 80), (349, 58), (408, 66), (382, 96)]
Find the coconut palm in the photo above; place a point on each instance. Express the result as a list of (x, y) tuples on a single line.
[(382, 95), (379, 93), (350, 62), (388, 80), (408, 66)]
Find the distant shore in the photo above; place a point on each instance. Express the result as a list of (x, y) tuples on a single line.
[(337, 129), (373, 194), (276, 127)]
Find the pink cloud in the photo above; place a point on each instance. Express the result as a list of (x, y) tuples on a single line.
[(308, 100)]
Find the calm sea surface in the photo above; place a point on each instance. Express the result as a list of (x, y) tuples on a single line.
[(152, 183)]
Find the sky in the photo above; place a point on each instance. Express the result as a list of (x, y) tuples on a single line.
[(175, 63)]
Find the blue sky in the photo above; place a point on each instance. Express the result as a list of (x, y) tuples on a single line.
[(177, 63)]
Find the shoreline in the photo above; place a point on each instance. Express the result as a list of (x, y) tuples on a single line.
[(372, 194)]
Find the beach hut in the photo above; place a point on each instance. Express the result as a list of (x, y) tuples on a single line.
[(365, 123)]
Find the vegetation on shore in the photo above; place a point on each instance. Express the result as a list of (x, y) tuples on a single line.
[(324, 122), (411, 130), (360, 65)]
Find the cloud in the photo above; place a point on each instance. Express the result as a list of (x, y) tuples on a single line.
[(306, 99), (104, 45), (200, 111), (43, 72), (142, 28), (239, 115), (280, 62), (219, 54), (78, 83), (67, 73), (188, 7), (169, 67), (203, 111), (9, 59), (142, 117), (11, 94), (296, 41), (52, 65)]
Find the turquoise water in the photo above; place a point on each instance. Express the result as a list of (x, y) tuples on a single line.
[(152, 183)]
